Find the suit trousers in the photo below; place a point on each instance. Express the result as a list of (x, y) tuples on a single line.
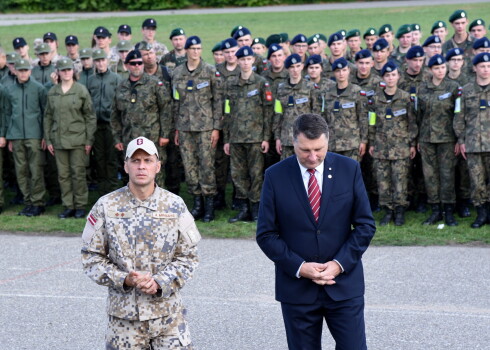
[(345, 320)]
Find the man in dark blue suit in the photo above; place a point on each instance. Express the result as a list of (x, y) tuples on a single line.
[(317, 250)]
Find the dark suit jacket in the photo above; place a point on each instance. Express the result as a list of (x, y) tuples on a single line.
[(288, 234)]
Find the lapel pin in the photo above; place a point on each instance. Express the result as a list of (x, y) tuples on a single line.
[(329, 176)]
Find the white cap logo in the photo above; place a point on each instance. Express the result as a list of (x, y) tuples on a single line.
[(371, 32), (478, 22), (463, 14), (339, 65), (181, 31)]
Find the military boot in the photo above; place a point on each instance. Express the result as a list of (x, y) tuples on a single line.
[(219, 200), (374, 203), (435, 216), (243, 212), (449, 215), (387, 218), (399, 216), (463, 208), (197, 210), (421, 204), (481, 216), (255, 211), (208, 209)]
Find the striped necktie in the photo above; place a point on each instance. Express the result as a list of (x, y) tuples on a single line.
[(314, 194)]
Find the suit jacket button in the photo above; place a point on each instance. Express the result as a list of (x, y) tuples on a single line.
[(318, 232)]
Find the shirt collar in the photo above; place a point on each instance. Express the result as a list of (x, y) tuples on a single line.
[(319, 168)]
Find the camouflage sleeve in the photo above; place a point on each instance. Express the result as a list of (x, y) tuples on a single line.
[(371, 122), (90, 118), (217, 101), (116, 121), (164, 109), (459, 123), (48, 120), (225, 86), (316, 101), (413, 129), (362, 117), (267, 111), (185, 259), (95, 252)]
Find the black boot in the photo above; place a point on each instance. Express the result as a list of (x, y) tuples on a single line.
[(243, 212), (399, 216), (421, 206), (198, 210), (435, 216), (463, 208), (481, 217), (374, 203), (208, 209), (219, 200), (387, 218), (255, 211), (449, 215)]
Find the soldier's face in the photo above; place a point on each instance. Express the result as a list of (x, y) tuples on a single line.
[(314, 70), (71, 49), (337, 48), (123, 54), (53, 45), (218, 57), (300, 48), (142, 169), (433, 49), (416, 35), (441, 33), (415, 65), (370, 40), (478, 32), (381, 55), (246, 63), (101, 65), (388, 36), (149, 57), (194, 52), (364, 66), (44, 58), (391, 78), (459, 25), (342, 74), (87, 62), (11, 67), (178, 42), (66, 74), (103, 42), (259, 49), (456, 63), (23, 51), (23, 75), (124, 36), (135, 68), (229, 54), (406, 40), (277, 59), (295, 70), (439, 71), (149, 33), (314, 49), (482, 71), (354, 43), (245, 40), (310, 153)]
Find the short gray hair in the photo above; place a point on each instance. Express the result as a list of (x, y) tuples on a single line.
[(310, 125)]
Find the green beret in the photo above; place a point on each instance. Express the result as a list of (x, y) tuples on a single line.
[(124, 45), (12, 57), (404, 29), (85, 53), (258, 40), (284, 37), (234, 30), (273, 39), (352, 33), (216, 47), (477, 22), (437, 25), (370, 32), (458, 14), (43, 48), (99, 54), (321, 36), (385, 28), (64, 63), (415, 27), (176, 32), (22, 64), (312, 39)]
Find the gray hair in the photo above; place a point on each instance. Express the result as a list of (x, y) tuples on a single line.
[(310, 125)]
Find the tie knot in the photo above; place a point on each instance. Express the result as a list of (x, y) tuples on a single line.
[(311, 171)]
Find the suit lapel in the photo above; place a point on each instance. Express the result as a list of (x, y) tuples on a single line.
[(328, 184), (299, 188)]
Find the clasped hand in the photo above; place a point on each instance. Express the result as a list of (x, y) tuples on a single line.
[(142, 281), (323, 274)]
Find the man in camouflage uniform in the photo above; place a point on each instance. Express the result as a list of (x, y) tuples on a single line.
[(472, 127), (244, 38), (198, 118), (148, 30), (294, 97), (404, 37), (247, 130), (344, 109), (141, 106), (392, 139), (386, 32), (381, 54), (439, 28), (432, 46), (353, 38), (461, 38), (370, 36), (141, 242), (177, 56), (435, 114)]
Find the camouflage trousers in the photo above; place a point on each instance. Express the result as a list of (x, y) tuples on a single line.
[(28, 158), (479, 168), (416, 184), (369, 174), (221, 165), (287, 151), (198, 157), (247, 170), (438, 165), (353, 154), (72, 177), (392, 182), (463, 187), (167, 333)]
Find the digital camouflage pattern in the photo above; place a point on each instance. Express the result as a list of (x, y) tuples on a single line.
[(171, 60), (247, 170), (479, 170), (160, 49), (391, 176), (275, 78)]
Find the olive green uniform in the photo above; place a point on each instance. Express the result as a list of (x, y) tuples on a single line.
[(85, 74), (119, 69), (69, 126), (43, 74)]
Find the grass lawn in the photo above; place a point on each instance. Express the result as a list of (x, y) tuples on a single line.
[(213, 28)]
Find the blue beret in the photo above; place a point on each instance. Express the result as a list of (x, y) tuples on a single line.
[(436, 60), (313, 59), (241, 32), (192, 40), (454, 52), (228, 43), (363, 54), (415, 51), (244, 51), (273, 48), (132, 55), (433, 39), (339, 63), (300, 38), (292, 59), (481, 57), (335, 37), (389, 67), (380, 44), (482, 42)]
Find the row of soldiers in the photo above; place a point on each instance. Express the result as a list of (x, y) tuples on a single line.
[(205, 116)]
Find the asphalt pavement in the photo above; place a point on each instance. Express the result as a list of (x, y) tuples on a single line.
[(416, 297)]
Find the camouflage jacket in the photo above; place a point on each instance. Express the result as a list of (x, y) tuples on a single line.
[(157, 236), (275, 79), (472, 125), (171, 60), (392, 126), (248, 110), (290, 102), (160, 49), (463, 78), (436, 111), (224, 75), (197, 103), (346, 116), (142, 109), (397, 57), (466, 45), (370, 86), (411, 84), (260, 64)]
